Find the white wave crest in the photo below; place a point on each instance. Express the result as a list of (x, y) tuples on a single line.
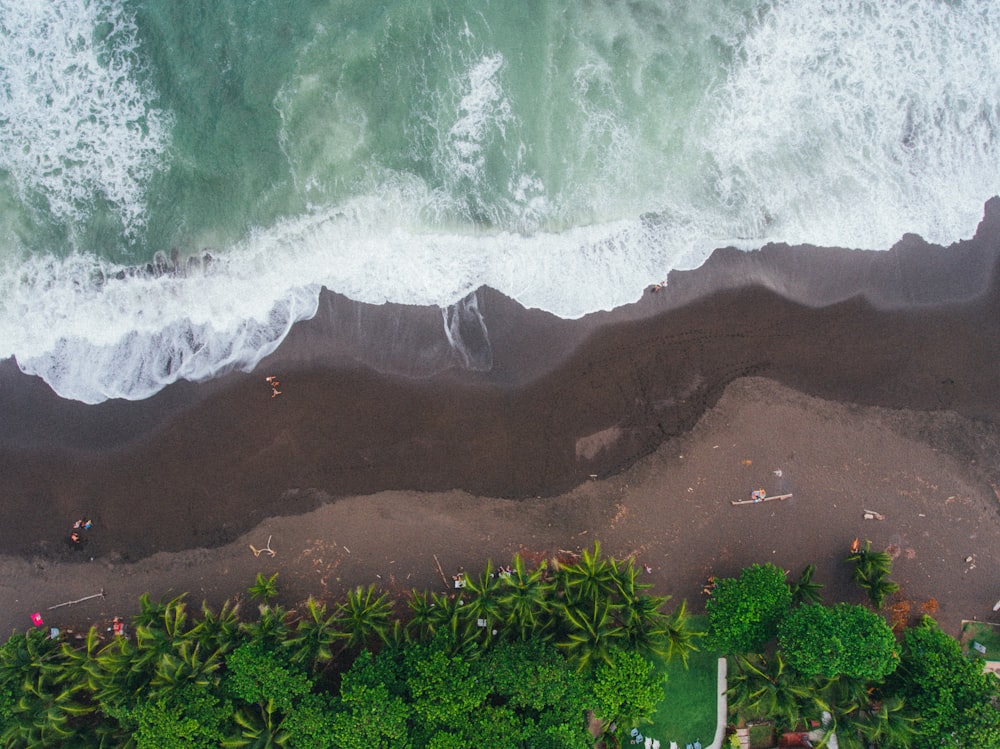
[(848, 122), (95, 331), (78, 125)]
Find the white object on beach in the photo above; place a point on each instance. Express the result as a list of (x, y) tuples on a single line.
[(996, 606)]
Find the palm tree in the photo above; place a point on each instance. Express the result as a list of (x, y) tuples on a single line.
[(364, 616), (218, 630), (313, 636), (260, 728), (264, 589), (589, 579), (845, 694), (889, 726), (422, 623), (804, 590), (526, 601), (189, 663), (680, 635), (591, 632), (484, 607), (31, 665), (164, 614), (771, 690), (744, 686), (878, 589), (644, 625), (871, 572), (626, 577), (271, 626)]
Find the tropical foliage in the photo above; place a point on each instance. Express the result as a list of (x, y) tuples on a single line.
[(515, 658), (519, 657), (954, 698)]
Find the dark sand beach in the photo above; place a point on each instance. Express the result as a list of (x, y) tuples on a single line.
[(854, 380)]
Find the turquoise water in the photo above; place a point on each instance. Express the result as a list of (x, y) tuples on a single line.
[(566, 153)]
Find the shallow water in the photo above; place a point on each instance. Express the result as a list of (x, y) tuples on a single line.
[(565, 153)]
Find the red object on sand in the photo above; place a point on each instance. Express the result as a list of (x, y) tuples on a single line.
[(36, 619)]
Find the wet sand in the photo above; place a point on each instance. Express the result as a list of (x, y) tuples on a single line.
[(865, 378)]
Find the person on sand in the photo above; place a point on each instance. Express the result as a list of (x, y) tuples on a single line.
[(74, 538)]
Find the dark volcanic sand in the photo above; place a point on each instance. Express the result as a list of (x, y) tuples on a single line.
[(868, 379)]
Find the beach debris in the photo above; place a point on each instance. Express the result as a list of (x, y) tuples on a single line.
[(996, 606), (759, 495), (855, 545), (778, 473), (36, 619), (267, 549), (747, 462), (872, 515), (78, 600), (440, 571)]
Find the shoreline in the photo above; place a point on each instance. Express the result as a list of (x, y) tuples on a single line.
[(914, 330)]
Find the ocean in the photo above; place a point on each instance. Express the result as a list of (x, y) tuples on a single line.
[(179, 179)]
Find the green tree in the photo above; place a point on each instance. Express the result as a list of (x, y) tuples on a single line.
[(445, 689), (190, 718), (744, 612), (627, 689), (269, 686), (258, 674), (810, 641), (783, 695), (311, 724), (842, 639), (374, 710), (953, 698)]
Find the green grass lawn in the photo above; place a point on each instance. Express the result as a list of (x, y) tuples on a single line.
[(984, 634), (688, 711)]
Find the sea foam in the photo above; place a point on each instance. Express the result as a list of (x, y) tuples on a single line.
[(79, 125)]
